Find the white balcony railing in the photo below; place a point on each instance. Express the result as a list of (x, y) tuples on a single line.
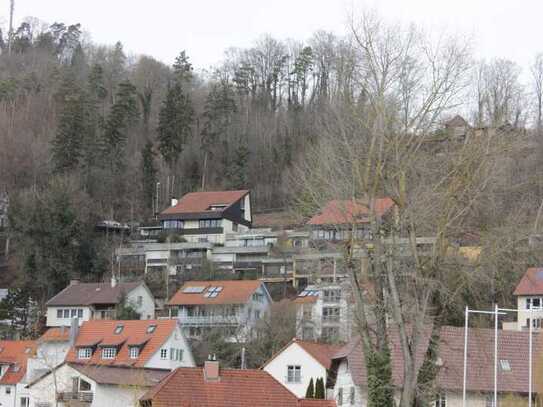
[(209, 320)]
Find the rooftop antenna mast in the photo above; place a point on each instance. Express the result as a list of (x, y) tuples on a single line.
[(10, 32)]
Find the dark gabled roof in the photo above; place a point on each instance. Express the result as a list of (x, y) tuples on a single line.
[(187, 387), (91, 293), (123, 376), (201, 202)]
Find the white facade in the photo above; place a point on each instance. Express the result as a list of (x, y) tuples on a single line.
[(62, 381), (175, 342), (329, 317), (140, 298), (289, 359)]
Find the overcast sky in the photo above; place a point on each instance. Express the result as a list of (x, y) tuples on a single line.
[(205, 28)]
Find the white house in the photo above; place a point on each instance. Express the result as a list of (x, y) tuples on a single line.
[(348, 376), (324, 312), (13, 368), (113, 363), (300, 361), (208, 216), (529, 295), (88, 301), (232, 305)]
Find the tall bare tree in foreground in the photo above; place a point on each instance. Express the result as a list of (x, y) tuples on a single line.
[(380, 146)]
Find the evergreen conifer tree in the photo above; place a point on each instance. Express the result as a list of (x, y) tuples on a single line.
[(68, 141), (310, 392), (319, 388), (149, 173)]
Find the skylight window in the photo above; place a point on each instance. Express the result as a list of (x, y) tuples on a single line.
[(212, 292), (309, 293), (151, 329), (505, 365), (119, 329), (194, 290), (28, 350)]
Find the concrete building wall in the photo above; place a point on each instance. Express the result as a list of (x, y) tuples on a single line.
[(53, 320)]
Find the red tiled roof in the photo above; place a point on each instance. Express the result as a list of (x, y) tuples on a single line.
[(322, 353), (197, 202), (61, 334), (531, 283), (97, 332), (187, 387), (92, 293), (15, 354), (512, 347), (342, 212), (233, 292)]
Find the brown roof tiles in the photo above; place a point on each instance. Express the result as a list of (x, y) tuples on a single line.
[(338, 212), (91, 293), (531, 283), (233, 292), (198, 202)]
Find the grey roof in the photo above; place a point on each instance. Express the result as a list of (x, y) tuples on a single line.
[(127, 376), (92, 293)]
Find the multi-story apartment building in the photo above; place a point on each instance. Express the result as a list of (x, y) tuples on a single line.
[(325, 312), (208, 216), (233, 305), (88, 301), (341, 218)]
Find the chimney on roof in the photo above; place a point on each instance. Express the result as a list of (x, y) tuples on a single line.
[(174, 202), (211, 369), (113, 282), (75, 281), (74, 330)]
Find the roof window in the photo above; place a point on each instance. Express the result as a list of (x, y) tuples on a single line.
[(119, 329), (505, 365), (212, 292), (151, 329)]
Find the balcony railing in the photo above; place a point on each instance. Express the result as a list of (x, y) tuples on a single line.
[(82, 396), (209, 320)]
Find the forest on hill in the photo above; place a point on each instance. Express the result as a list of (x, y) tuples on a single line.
[(87, 132)]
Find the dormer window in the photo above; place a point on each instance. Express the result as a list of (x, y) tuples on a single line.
[(133, 352), (118, 329), (84, 353), (109, 353)]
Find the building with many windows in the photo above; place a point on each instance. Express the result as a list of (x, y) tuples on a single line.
[(232, 305), (324, 312)]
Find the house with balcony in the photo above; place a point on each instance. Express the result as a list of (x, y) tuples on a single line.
[(208, 216), (234, 306), (14, 356), (88, 301), (325, 312), (341, 219), (113, 363), (299, 362)]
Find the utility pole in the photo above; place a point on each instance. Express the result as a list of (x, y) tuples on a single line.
[(10, 32)]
